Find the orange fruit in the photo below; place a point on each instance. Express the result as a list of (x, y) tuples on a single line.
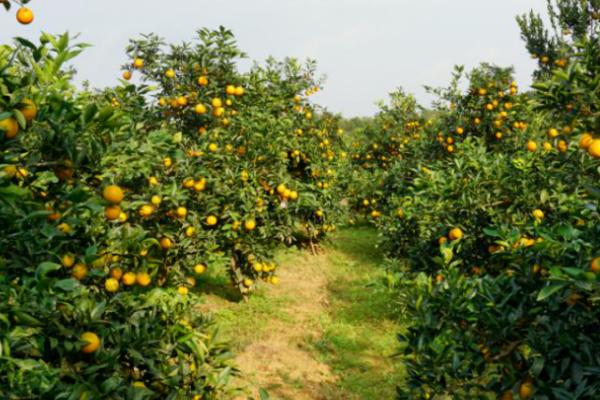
[(585, 141), (182, 290), (230, 90), (531, 146), (538, 214), (129, 278), (181, 212), (113, 194), (138, 63), (25, 16), (116, 273), (111, 285), (526, 390), (200, 109), (29, 109), (10, 127), (112, 212), (595, 265), (127, 75), (239, 91), (143, 279), (455, 234), (166, 243), (594, 148), (199, 269), (92, 342), (211, 220), (79, 271), (250, 224)]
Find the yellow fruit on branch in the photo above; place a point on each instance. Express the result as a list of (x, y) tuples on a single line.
[(68, 260), (113, 194), (166, 243), (585, 141), (538, 214), (129, 278), (138, 63), (250, 224), (111, 285), (182, 290), (181, 212), (143, 279), (146, 210), (25, 16), (455, 234), (79, 271), (594, 148), (211, 220), (10, 128), (92, 342), (29, 109), (116, 273), (112, 212), (531, 146), (170, 73), (199, 269), (595, 265), (126, 75)]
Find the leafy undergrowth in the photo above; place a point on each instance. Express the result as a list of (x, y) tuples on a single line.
[(328, 331)]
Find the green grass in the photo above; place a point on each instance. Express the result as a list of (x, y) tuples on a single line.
[(355, 334), (360, 331)]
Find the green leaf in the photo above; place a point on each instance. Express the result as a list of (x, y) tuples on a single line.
[(45, 268), (67, 285), (264, 395), (550, 290)]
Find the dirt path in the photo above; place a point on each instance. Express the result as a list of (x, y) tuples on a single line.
[(291, 339)]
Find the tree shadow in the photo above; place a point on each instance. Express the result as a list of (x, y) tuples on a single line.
[(218, 285)]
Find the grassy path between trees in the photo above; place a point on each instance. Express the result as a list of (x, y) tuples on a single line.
[(327, 331)]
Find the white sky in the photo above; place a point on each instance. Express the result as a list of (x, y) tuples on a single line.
[(366, 48)]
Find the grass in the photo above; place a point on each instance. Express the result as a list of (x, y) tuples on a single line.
[(360, 331), (354, 333)]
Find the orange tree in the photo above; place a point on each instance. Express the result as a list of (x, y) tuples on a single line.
[(225, 167), (499, 234), (65, 332), (377, 147)]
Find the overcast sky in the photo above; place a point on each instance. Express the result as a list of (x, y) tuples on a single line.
[(366, 48)]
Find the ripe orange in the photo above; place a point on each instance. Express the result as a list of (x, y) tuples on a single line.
[(248, 282), (129, 278), (595, 265), (230, 90), (182, 290), (250, 224), (138, 63), (68, 260), (199, 268), (10, 127), (203, 81), (526, 390), (211, 220), (200, 109), (146, 210), (79, 271), (585, 141), (92, 342), (111, 285), (116, 273), (181, 212), (112, 212), (143, 279), (531, 146), (25, 16), (239, 91), (538, 214), (594, 148), (166, 243), (127, 75), (170, 73), (113, 194), (455, 234), (29, 109)]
